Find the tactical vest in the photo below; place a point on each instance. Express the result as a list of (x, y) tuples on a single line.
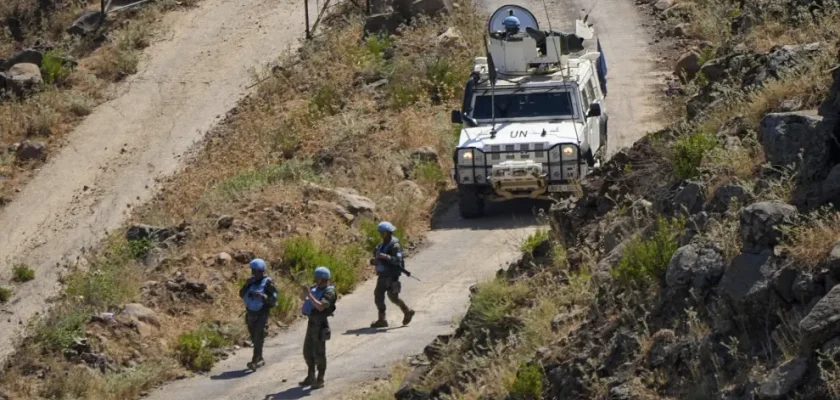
[(318, 293), (380, 248), (255, 303)]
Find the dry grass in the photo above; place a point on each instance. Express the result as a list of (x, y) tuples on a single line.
[(256, 168), (710, 19), (811, 242), (52, 113), (380, 389)]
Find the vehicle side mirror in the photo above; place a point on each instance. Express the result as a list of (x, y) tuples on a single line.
[(594, 110), (456, 117)]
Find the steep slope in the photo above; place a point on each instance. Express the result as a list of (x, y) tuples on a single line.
[(113, 159), (458, 254)]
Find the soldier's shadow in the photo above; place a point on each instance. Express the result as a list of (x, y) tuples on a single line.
[(289, 394), (371, 331)]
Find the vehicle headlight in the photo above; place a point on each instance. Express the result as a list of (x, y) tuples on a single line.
[(569, 152), (467, 156)]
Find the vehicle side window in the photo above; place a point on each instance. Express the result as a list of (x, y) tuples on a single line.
[(591, 89), (587, 98)]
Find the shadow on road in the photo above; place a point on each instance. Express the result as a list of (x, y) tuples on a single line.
[(231, 375), (371, 331), (512, 214), (290, 394)]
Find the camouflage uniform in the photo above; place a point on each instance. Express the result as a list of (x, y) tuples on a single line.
[(388, 282), (317, 332), (257, 321)]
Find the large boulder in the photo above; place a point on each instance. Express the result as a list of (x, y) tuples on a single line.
[(695, 266), (383, 23), (724, 196), (760, 224), (785, 135), (747, 283), (28, 151), (27, 56), (86, 22), (823, 322), (778, 60), (354, 202), (688, 65), (690, 198), (783, 379), (142, 318), (24, 78)]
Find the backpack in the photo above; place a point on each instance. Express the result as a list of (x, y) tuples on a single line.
[(331, 309)]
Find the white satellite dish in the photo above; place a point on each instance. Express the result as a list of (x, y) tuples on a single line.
[(526, 19)]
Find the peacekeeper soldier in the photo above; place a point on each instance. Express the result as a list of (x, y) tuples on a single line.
[(388, 260), (318, 305), (259, 295)]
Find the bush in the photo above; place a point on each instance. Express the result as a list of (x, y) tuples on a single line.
[(291, 170), (534, 240), (111, 279), (496, 299), (22, 273), (442, 78), (139, 248), (195, 348), (689, 152), (5, 295), (326, 101), (302, 256), (52, 67), (429, 174), (529, 382), (644, 259), (57, 332)]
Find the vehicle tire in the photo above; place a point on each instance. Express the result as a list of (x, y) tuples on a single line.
[(605, 135), (470, 204)]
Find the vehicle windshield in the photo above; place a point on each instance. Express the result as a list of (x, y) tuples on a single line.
[(524, 105)]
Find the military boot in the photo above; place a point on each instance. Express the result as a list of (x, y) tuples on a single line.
[(407, 316), (310, 378), (319, 383), (381, 322)]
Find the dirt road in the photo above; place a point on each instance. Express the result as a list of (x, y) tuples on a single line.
[(185, 83), (458, 254)]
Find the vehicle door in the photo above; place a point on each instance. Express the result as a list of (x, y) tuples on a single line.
[(593, 123)]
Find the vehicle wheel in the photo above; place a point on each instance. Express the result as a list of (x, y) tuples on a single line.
[(605, 136), (470, 204)]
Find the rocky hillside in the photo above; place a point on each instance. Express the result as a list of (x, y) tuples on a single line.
[(58, 59), (290, 176), (702, 263)]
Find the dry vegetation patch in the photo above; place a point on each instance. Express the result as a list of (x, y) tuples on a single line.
[(298, 175)]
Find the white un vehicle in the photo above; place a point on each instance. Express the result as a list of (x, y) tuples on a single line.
[(533, 113)]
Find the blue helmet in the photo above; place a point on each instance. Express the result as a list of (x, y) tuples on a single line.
[(386, 226), (511, 22), (322, 273), (257, 264)]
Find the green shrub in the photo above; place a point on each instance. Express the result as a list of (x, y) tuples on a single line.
[(529, 382), (443, 80), (689, 152), (52, 68), (534, 240), (286, 303), (196, 348), (496, 299), (139, 248), (110, 280), (326, 101), (58, 331), (22, 273), (644, 259), (287, 171), (5, 295), (376, 44), (302, 256), (429, 173)]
